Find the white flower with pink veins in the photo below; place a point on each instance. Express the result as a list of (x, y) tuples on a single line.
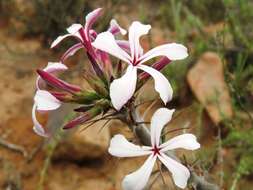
[(138, 180), (122, 89), (43, 100)]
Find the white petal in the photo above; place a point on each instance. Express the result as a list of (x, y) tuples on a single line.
[(122, 89), (38, 129), (89, 21), (92, 17), (60, 38), (55, 66), (180, 173), (162, 85), (136, 30), (115, 28), (105, 41), (186, 141), (46, 101), (120, 147), (74, 28), (73, 32), (71, 51), (173, 51), (160, 118), (139, 179)]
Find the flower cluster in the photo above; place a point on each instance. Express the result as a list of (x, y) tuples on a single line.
[(113, 90)]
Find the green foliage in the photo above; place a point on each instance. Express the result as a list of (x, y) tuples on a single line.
[(238, 15), (52, 17), (241, 140), (239, 74)]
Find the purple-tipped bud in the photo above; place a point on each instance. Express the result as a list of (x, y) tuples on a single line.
[(58, 83), (77, 121), (96, 67), (83, 108), (159, 65), (83, 118)]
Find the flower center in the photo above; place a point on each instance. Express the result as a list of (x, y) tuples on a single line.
[(135, 61), (156, 150)]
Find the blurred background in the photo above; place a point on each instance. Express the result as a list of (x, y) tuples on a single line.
[(213, 91)]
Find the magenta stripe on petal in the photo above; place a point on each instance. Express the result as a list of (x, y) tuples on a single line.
[(71, 51), (90, 20), (57, 83)]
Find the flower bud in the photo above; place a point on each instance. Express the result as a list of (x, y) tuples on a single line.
[(58, 83)]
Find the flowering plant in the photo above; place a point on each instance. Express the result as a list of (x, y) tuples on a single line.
[(114, 91)]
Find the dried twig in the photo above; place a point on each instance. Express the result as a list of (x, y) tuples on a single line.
[(13, 147)]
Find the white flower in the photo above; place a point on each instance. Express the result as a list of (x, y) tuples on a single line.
[(122, 89), (43, 100), (85, 34), (137, 180)]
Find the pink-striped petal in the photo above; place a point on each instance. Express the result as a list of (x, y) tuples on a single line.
[(115, 28), (121, 147), (60, 38), (58, 83), (138, 180), (162, 85), (105, 41), (186, 141), (180, 173), (136, 30), (105, 60), (52, 67), (122, 89), (123, 44), (90, 20), (173, 51), (72, 32), (71, 51), (160, 118)]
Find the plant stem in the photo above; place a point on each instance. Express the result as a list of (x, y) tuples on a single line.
[(43, 173), (236, 179)]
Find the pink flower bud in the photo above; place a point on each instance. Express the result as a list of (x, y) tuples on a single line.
[(57, 83)]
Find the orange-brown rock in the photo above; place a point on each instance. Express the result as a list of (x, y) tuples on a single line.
[(206, 79)]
